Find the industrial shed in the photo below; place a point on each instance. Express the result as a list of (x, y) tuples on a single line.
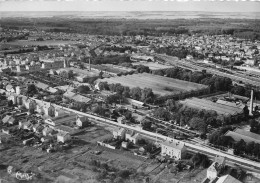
[(247, 136), (221, 109)]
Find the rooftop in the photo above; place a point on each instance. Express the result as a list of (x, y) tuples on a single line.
[(247, 136), (174, 144), (221, 109)]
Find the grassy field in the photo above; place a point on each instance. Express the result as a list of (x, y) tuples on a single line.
[(153, 66), (30, 43), (159, 84)]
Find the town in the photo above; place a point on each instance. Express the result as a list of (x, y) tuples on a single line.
[(128, 108)]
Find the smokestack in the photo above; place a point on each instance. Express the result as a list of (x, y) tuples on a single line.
[(251, 103), (89, 64)]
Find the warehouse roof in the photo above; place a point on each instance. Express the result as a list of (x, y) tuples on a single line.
[(209, 105), (247, 136)]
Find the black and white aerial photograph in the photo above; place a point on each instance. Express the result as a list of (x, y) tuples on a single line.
[(129, 91)]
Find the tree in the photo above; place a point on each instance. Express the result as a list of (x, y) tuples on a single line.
[(250, 147), (240, 147), (83, 89), (31, 90), (126, 92), (70, 74), (246, 111), (136, 93), (162, 114), (116, 98), (128, 115), (255, 126), (10, 103), (99, 110), (199, 124), (103, 86), (147, 95)]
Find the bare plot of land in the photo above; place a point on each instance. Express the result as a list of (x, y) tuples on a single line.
[(153, 66), (159, 84)]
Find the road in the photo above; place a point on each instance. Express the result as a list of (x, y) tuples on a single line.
[(246, 163), (195, 146)]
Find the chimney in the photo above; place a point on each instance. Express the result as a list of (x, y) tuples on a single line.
[(89, 64), (251, 103)]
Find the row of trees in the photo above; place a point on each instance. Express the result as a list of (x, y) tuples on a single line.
[(110, 60), (216, 83), (146, 95), (180, 52), (119, 49)]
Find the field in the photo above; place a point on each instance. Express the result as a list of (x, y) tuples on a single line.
[(159, 84), (153, 66), (17, 44)]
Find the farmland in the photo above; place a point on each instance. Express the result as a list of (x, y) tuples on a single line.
[(159, 84)]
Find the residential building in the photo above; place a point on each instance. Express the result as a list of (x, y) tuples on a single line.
[(174, 149), (227, 179), (6, 119), (47, 131), (119, 133), (132, 136), (63, 137), (56, 121), (82, 121)]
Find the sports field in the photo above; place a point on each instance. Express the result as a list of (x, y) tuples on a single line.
[(159, 84)]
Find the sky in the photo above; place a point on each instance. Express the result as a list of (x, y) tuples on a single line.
[(130, 5)]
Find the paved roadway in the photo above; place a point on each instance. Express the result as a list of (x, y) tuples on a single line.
[(248, 164), (255, 166)]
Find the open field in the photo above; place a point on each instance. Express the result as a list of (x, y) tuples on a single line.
[(153, 66), (30, 43), (159, 84)]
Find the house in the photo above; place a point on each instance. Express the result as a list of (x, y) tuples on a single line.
[(213, 170), (6, 119), (119, 133), (63, 137), (27, 125), (131, 136), (121, 120), (47, 131), (55, 121), (227, 179), (124, 145), (38, 128), (135, 103), (82, 121), (10, 88), (12, 121), (221, 160), (173, 148), (59, 112)]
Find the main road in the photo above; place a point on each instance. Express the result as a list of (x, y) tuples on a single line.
[(242, 162), (245, 163)]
